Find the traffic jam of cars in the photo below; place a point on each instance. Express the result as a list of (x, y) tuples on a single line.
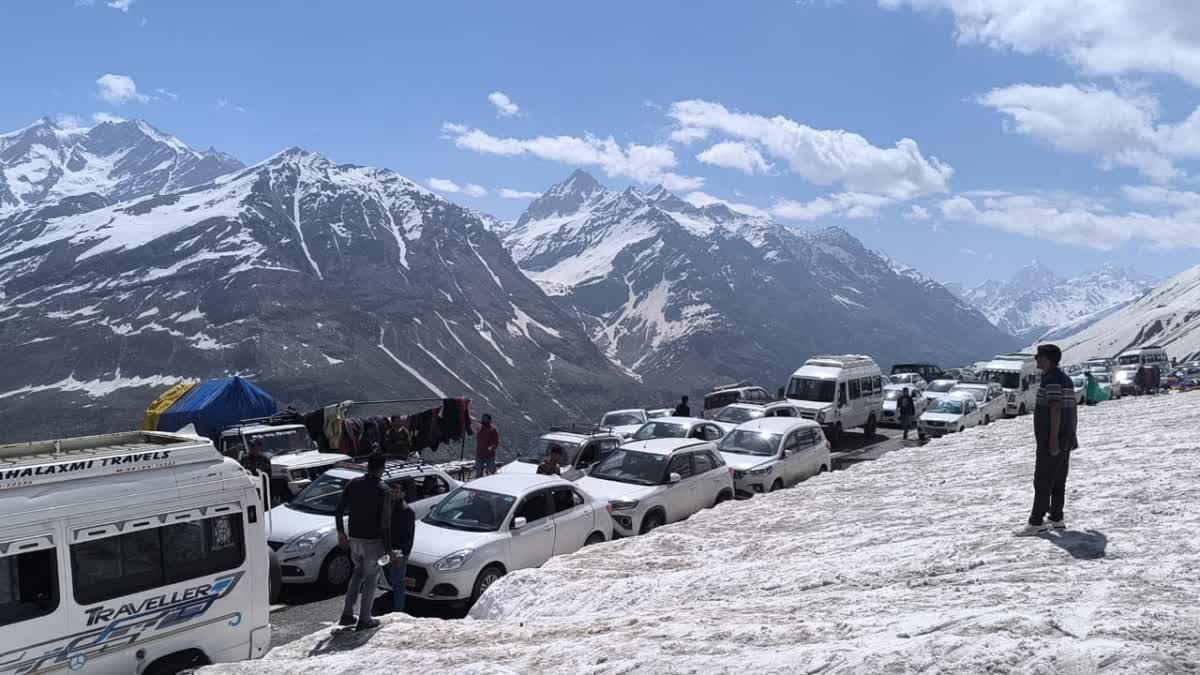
[(639, 469)]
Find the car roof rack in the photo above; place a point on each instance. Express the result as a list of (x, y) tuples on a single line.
[(731, 385), (392, 467), (580, 428)]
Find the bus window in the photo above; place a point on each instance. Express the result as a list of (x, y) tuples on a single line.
[(28, 586)]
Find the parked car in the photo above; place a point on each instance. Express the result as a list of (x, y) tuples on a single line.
[(1018, 374), (659, 412), (910, 380), (1105, 381), (303, 532), (1080, 384), (927, 371), (496, 525), (581, 450), (891, 399), (955, 413), (725, 394), (660, 481), (771, 453), (938, 389), (295, 459), (679, 427), (624, 422), (989, 397), (839, 393), (737, 413)]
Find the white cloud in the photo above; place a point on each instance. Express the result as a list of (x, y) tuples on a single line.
[(1080, 221), (842, 204), (224, 103), (446, 185), (702, 199), (1100, 37), (167, 94), (68, 122), (735, 155), (967, 251), (102, 117), (687, 135), (641, 163), (824, 157), (1120, 129), (917, 212), (505, 106), (118, 89), (508, 193), (122, 5)]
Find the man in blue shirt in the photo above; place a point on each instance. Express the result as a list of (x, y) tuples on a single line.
[(1054, 419)]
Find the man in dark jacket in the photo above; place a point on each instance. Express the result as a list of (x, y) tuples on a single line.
[(683, 409), (1054, 418), (487, 439), (369, 538), (907, 410), (256, 461), (403, 524), (551, 465)]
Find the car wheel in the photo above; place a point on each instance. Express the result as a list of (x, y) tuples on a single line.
[(920, 435), (594, 538), (823, 469), (652, 522), (777, 485), (722, 496), (490, 575), (960, 429), (987, 421), (336, 570)]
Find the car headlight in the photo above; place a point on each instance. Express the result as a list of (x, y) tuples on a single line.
[(624, 504), (308, 541), (759, 472), (454, 560), (821, 417)]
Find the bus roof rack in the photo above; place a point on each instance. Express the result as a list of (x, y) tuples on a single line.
[(844, 360)]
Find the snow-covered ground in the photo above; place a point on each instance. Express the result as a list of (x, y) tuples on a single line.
[(899, 565)]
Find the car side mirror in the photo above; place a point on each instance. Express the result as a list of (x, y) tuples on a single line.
[(519, 522), (674, 478)]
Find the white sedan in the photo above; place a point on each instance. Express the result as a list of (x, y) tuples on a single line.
[(955, 413), (736, 413), (497, 524), (989, 396), (771, 453), (624, 422), (679, 427)]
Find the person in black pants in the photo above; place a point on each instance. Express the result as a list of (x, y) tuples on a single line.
[(404, 522), (1054, 421), (369, 539)]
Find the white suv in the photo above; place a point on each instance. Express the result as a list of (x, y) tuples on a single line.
[(303, 532), (581, 451), (774, 452), (679, 427), (660, 481), (495, 525)]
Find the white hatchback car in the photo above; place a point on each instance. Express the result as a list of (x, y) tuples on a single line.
[(624, 422), (679, 427), (957, 412), (771, 453), (989, 397), (495, 525), (937, 390), (303, 532), (655, 482)]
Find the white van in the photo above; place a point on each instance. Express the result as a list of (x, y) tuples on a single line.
[(1018, 375), (137, 552), (839, 393), (1149, 355)]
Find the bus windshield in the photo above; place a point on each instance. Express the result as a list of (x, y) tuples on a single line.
[(808, 389)]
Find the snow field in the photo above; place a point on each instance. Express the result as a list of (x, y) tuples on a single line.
[(899, 565)]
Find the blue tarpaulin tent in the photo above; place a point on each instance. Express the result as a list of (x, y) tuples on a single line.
[(214, 404)]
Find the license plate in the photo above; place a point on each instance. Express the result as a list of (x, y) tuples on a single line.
[(410, 582)]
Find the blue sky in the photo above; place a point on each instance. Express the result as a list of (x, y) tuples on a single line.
[(1031, 132)]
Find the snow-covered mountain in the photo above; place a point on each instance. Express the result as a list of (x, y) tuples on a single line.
[(118, 160), (1036, 304), (1168, 316), (681, 294), (323, 281)]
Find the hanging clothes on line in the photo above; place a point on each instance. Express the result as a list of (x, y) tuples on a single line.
[(455, 420)]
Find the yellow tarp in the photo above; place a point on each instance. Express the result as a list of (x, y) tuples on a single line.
[(163, 403)]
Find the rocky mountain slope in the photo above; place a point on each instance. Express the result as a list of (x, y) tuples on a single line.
[(322, 281), (1037, 304), (682, 295), (1168, 315)]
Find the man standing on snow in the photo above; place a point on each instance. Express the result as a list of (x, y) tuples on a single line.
[(907, 410), (683, 409), (1054, 419), (370, 538), (487, 439), (403, 525)]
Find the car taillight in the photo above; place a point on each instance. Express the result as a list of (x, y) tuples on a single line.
[(609, 507)]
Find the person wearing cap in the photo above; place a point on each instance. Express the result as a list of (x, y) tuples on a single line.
[(256, 461), (1054, 420)]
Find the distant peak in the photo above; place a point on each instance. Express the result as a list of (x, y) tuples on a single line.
[(295, 154), (579, 182)]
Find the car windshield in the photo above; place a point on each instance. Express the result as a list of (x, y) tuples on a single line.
[(721, 399), (623, 419), (738, 415), (746, 442), (322, 495), (1005, 378), (651, 430), (892, 395), (809, 389), (1102, 378), (629, 466), (948, 406), (1079, 381), (941, 387), (472, 510), (277, 442), (540, 448), (978, 393)]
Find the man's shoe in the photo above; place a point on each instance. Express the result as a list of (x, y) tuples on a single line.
[(1056, 524), (347, 620), (367, 624), (1030, 531)]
